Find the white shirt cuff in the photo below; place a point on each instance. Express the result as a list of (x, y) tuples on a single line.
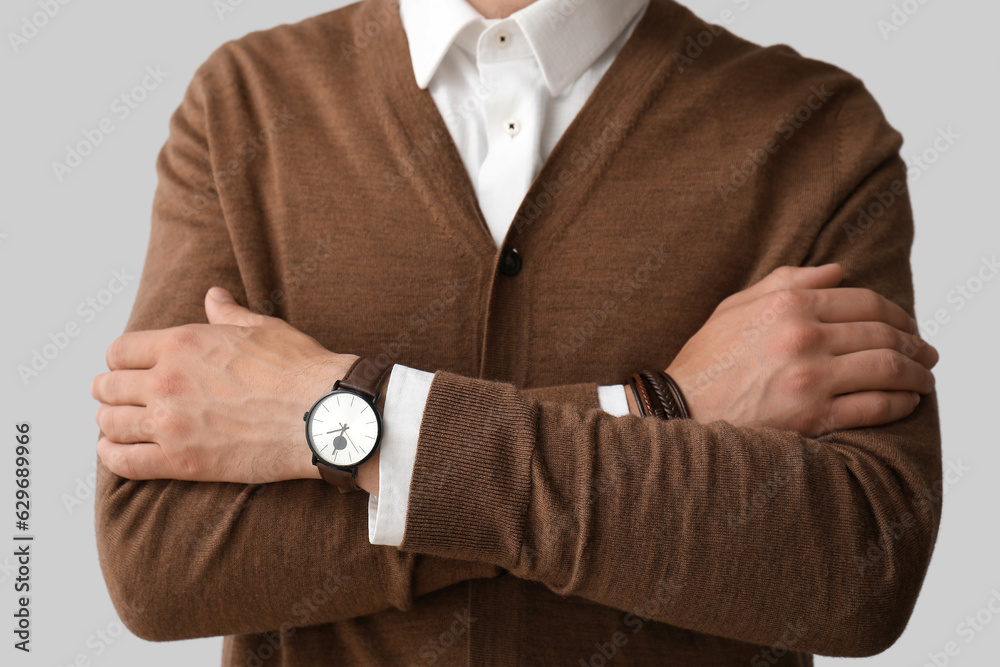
[(613, 400), (405, 398)]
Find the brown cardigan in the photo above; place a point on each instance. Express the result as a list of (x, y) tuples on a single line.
[(306, 172)]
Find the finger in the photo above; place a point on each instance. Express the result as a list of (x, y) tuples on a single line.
[(854, 304), (791, 277), (848, 337), (136, 349), (134, 461), (221, 308), (121, 387), (870, 408), (879, 370), (125, 423)]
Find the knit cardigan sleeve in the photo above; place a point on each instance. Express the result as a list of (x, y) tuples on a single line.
[(189, 559), (731, 531)]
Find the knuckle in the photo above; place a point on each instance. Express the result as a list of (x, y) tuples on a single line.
[(120, 464), (149, 426), (772, 306), (872, 302), (778, 300), (103, 421), (910, 345), (184, 463), (255, 320), (800, 337), (183, 339), (892, 362), (878, 409), (115, 427), (158, 420), (795, 299), (831, 421), (885, 336), (726, 303), (929, 381), (114, 353), (784, 274), (108, 385), (169, 383), (819, 427)]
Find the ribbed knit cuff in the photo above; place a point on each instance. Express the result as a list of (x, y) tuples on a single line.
[(471, 479)]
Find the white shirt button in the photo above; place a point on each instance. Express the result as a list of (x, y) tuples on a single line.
[(502, 38), (512, 126)]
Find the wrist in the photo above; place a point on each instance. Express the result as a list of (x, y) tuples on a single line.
[(324, 373)]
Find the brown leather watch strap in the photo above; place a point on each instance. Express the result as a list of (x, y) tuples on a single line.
[(343, 480), (365, 376)]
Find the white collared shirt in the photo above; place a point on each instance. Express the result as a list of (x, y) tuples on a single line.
[(507, 90)]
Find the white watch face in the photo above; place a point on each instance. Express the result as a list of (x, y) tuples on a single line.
[(343, 428)]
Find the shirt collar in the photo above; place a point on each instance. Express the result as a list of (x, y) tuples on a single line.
[(566, 36)]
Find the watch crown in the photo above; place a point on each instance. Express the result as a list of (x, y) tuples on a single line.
[(305, 417)]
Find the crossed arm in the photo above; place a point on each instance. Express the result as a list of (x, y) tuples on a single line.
[(674, 482), (190, 499), (221, 402)]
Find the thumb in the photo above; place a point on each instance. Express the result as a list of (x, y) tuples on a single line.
[(221, 308), (791, 277)]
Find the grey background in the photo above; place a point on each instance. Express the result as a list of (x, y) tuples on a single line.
[(61, 241)]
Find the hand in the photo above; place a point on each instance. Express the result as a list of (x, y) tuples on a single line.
[(798, 353), (213, 402)]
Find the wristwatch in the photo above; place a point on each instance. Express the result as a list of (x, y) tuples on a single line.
[(344, 427)]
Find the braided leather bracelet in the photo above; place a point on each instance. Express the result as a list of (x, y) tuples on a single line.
[(635, 395), (645, 399), (665, 406), (678, 396), (662, 397)]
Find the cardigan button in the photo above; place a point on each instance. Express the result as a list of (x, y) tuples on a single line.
[(510, 262)]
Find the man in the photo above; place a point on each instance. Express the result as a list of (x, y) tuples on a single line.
[(508, 216)]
